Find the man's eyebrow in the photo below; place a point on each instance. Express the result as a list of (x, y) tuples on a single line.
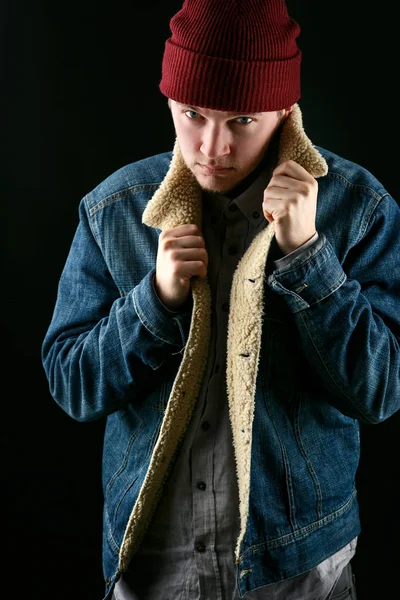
[(231, 114)]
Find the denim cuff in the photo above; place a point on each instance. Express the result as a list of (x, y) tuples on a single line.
[(169, 326), (311, 276)]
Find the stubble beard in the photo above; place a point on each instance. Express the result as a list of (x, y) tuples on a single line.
[(221, 188)]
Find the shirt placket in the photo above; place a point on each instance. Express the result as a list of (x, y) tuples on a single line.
[(213, 472), (202, 449)]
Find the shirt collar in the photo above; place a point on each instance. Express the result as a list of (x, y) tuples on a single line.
[(249, 202)]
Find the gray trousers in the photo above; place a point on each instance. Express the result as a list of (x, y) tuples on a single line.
[(345, 588)]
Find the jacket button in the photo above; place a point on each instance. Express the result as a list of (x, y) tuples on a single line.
[(232, 250), (201, 485), (205, 425), (200, 547), (255, 214), (225, 306), (233, 207)]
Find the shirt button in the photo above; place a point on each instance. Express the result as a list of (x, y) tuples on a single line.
[(232, 250), (205, 425), (225, 306), (255, 214), (233, 207), (200, 547), (201, 485)]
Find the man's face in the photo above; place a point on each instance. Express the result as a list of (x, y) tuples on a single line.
[(222, 148)]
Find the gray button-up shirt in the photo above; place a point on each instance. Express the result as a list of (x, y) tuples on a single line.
[(188, 550)]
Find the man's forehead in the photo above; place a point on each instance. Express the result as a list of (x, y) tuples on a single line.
[(224, 112)]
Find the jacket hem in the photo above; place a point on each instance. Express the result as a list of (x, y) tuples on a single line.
[(258, 566)]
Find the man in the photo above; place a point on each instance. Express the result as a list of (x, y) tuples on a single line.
[(232, 309)]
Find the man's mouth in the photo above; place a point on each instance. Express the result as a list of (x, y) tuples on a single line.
[(211, 170)]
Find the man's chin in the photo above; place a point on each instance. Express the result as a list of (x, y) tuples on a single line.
[(216, 184), (222, 190)]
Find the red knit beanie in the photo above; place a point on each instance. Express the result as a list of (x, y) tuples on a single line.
[(232, 55)]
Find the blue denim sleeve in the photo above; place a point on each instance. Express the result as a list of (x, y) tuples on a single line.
[(348, 316), (100, 348), (171, 327)]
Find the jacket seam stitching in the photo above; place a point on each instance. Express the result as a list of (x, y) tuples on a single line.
[(144, 321), (314, 477), (356, 186), (121, 194), (303, 532), (333, 288), (111, 524), (369, 218), (292, 511), (354, 401)]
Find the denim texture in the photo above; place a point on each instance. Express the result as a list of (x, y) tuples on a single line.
[(329, 359)]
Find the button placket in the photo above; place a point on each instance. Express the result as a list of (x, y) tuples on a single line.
[(203, 504)]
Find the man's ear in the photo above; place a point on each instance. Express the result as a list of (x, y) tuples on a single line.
[(287, 111)]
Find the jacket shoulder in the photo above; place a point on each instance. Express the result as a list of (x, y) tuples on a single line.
[(133, 177), (351, 174)]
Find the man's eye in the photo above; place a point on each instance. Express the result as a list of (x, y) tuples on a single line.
[(191, 114), (244, 120)]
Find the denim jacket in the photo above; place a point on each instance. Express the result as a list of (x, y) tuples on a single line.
[(312, 351)]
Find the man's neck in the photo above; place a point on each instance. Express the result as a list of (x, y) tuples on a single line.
[(247, 181)]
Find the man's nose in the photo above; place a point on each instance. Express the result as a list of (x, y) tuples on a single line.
[(215, 143)]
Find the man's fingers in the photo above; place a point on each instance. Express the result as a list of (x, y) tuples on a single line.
[(277, 193), (184, 254), (187, 236), (181, 256), (189, 229), (193, 268), (188, 241), (280, 181), (292, 169)]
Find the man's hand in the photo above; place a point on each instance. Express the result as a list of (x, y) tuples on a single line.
[(181, 255), (290, 201)]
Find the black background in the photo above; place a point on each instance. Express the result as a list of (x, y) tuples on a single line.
[(79, 98)]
